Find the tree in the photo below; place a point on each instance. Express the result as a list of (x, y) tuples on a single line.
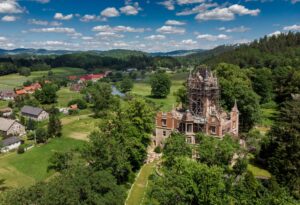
[(262, 84), (31, 124), (126, 85), (160, 85), (41, 135), (79, 102), (54, 125), (24, 71), (176, 146), (213, 151), (235, 85), (102, 98), (47, 94), (60, 161), (182, 96), (282, 153)]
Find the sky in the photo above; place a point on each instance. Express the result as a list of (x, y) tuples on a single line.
[(146, 25)]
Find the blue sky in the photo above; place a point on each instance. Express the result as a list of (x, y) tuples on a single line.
[(147, 25)]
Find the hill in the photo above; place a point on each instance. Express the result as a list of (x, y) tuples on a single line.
[(271, 52), (178, 52)]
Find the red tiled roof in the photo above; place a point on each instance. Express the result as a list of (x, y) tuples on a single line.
[(20, 92), (92, 76)]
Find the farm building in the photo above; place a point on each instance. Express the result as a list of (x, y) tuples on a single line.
[(10, 143), (7, 94), (34, 113), (9, 127)]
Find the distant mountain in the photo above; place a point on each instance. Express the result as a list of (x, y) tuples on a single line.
[(178, 52), (117, 53)]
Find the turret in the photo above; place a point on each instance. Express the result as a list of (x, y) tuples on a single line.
[(234, 117)]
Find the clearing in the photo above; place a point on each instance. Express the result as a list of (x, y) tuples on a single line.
[(25, 169)]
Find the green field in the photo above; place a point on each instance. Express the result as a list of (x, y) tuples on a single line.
[(65, 95), (79, 126), (166, 104), (3, 104), (26, 169), (14, 80)]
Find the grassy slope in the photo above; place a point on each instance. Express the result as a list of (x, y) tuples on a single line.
[(144, 89), (14, 80), (30, 167), (138, 190)]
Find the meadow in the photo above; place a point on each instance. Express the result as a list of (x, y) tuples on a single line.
[(14, 80), (31, 167), (144, 89)]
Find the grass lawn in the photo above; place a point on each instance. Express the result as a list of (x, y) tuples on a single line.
[(79, 127), (65, 95), (166, 104), (3, 104), (26, 169), (258, 172), (14, 80), (138, 190)]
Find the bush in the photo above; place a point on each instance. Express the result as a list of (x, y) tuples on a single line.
[(80, 103), (21, 149), (157, 149)]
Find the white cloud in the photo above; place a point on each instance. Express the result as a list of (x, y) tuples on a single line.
[(107, 28), (240, 29), (197, 9), (88, 18), (169, 4), (227, 13), (155, 37), (38, 22), (189, 42), (60, 16), (182, 2), (210, 37), (87, 38), (54, 30), (292, 28), (43, 1), (295, 1), (171, 30), (108, 34), (174, 23), (130, 10), (110, 12), (10, 7), (2, 38), (276, 33), (9, 18)]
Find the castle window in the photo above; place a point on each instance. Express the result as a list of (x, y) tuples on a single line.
[(164, 122), (212, 130), (189, 128), (164, 133)]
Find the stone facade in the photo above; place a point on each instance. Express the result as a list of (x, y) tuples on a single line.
[(10, 127), (204, 113)]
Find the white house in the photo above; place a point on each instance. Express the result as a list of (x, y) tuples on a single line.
[(9, 127), (10, 143)]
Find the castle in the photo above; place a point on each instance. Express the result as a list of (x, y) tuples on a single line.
[(204, 115)]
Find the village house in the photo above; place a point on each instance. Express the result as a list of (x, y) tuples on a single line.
[(9, 127), (34, 113), (91, 77), (32, 88), (9, 144), (77, 87), (7, 94), (203, 115), (6, 112)]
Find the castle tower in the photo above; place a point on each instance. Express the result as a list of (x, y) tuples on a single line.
[(203, 92), (234, 117)]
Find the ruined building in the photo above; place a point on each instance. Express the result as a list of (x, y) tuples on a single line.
[(204, 114)]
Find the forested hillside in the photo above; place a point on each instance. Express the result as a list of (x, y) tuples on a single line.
[(270, 52)]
